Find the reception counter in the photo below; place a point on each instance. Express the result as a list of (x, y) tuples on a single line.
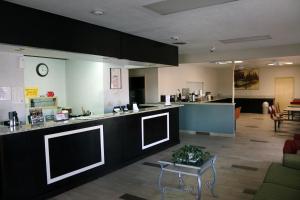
[(41, 161)]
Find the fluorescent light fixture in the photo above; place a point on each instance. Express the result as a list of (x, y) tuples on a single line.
[(223, 62), (279, 63), (238, 61), (166, 7), (288, 63), (246, 39)]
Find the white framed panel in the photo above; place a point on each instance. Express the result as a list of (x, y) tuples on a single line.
[(157, 142), (72, 173)]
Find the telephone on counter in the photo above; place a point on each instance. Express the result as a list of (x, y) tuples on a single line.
[(118, 109), (13, 119)]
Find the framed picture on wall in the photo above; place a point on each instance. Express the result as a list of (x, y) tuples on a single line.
[(115, 78), (246, 79)]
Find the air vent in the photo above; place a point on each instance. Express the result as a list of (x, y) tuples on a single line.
[(174, 6), (246, 39)]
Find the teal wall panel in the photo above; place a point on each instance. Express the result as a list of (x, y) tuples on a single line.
[(216, 118)]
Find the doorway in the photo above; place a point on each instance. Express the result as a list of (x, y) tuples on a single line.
[(137, 90), (284, 91)]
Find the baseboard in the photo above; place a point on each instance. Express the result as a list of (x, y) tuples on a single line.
[(188, 132), (210, 133), (222, 134)]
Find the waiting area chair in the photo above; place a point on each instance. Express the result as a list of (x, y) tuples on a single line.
[(276, 117), (237, 114), (282, 181)]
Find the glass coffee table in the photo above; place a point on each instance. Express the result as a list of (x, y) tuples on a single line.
[(190, 169)]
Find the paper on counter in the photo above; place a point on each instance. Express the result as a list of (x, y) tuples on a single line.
[(168, 102)]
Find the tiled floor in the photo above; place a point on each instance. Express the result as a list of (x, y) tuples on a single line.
[(241, 165)]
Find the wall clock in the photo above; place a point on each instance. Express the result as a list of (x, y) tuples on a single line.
[(42, 69)]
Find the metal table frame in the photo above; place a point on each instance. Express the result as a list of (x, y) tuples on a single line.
[(179, 169), (292, 110)]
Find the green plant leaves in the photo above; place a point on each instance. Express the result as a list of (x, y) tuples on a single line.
[(191, 155)]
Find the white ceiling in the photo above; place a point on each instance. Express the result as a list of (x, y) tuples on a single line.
[(260, 62), (201, 28)]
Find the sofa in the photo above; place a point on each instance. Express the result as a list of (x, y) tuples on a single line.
[(282, 181)]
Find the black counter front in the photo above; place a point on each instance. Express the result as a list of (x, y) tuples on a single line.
[(248, 104), (40, 163)]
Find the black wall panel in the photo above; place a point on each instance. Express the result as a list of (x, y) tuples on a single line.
[(249, 105), (30, 27), (155, 129), (85, 145), (35, 28), (252, 105), (145, 50)]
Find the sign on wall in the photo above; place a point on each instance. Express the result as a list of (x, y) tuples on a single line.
[(115, 78), (31, 92), (5, 93)]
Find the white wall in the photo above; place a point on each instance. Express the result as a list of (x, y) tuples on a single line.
[(11, 75), (79, 83), (84, 86), (224, 81), (172, 78), (151, 82), (114, 97), (55, 80), (267, 77)]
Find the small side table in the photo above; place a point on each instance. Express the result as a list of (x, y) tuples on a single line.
[(184, 169)]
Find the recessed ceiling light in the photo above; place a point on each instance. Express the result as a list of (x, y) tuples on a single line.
[(271, 64), (97, 12), (176, 38)]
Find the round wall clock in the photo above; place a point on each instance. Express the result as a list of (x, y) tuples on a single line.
[(42, 69)]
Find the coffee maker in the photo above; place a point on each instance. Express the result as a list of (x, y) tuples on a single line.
[(13, 119)]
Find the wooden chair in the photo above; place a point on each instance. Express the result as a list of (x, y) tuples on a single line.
[(275, 117), (279, 112), (237, 114)]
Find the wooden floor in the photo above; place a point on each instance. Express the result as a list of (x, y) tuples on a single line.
[(242, 162)]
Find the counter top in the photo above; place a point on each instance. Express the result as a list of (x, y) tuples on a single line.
[(254, 97), (4, 130), (208, 103), (212, 102)]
